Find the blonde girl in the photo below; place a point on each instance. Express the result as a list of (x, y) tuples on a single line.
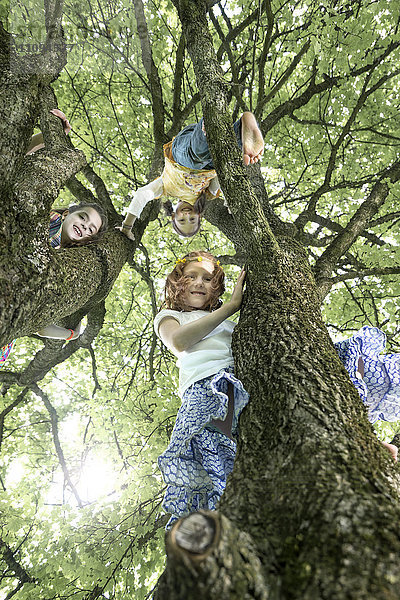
[(189, 175)]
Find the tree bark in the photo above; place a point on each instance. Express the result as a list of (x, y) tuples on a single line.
[(312, 488), (39, 285)]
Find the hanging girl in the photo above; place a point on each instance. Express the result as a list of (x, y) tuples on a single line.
[(190, 177), (196, 328)]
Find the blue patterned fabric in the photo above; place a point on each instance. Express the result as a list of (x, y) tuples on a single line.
[(379, 388), (199, 458)]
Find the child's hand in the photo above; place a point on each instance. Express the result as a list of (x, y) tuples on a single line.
[(128, 232), (65, 122), (237, 294)]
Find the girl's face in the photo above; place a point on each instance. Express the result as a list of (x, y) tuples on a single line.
[(198, 289), (80, 224), (186, 218)]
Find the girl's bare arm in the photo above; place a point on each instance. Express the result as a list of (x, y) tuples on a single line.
[(141, 197)]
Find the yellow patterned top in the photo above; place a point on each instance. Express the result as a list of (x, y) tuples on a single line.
[(183, 183)]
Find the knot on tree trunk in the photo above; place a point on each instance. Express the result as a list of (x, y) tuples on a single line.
[(208, 557)]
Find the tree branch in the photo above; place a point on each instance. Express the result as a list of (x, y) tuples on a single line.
[(54, 430), (200, 548), (357, 224), (56, 352), (8, 409), (263, 57), (374, 272), (102, 193), (288, 107), (235, 78), (283, 78), (308, 238), (10, 559), (152, 75)]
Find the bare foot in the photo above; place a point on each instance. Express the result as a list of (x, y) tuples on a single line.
[(252, 139), (392, 449)]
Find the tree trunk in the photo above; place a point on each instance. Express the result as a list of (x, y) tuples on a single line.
[(39, 285), (61, 283), (313, 493)]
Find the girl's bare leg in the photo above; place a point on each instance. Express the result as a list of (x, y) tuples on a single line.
[(360, 367), (252, 139), (226, 425)]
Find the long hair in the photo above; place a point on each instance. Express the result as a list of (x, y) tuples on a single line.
[(176, 282), (199, 207), (93, 238)]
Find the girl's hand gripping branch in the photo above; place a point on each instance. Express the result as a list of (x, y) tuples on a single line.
[(236, 299), (126, 227)]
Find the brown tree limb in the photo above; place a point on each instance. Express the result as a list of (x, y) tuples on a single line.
[(365, 93), (56, 352), (236, 91), (152, 75), (358, 222), (309, 239), (283, 78), (240, 27), (202, 549), (121, 130), (140, 542), (81, 193), (56, 440), (20, 398), (97, 385), (10, 559), (373, 272), (313, 89), (178, 75), (102, 193), (263, 57)]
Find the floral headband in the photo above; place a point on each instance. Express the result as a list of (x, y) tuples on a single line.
[(198, 258)]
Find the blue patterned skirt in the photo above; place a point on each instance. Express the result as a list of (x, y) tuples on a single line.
[(199, 458), (379, 387)]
